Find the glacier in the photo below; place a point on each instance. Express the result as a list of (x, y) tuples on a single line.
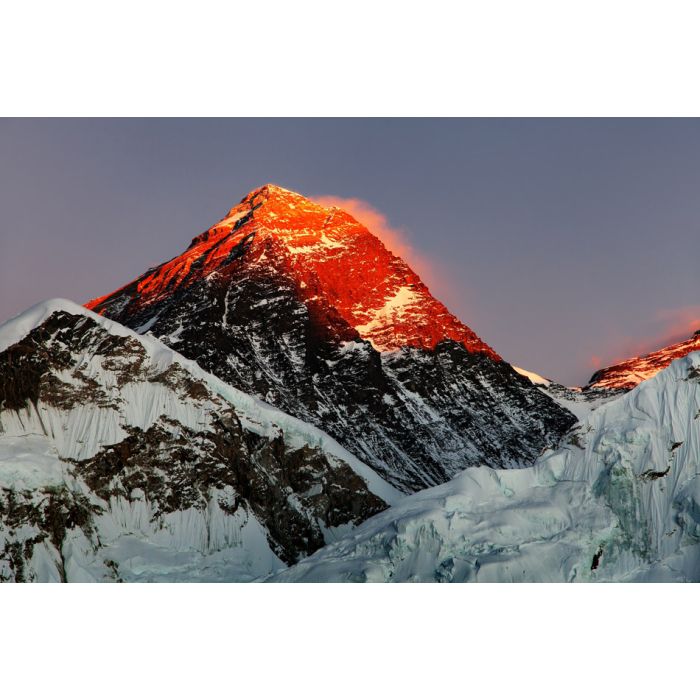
[(617, 500)]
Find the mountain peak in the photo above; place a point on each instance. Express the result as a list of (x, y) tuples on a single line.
[(628, 373), (303, 307), (269, 194), (335, 262)]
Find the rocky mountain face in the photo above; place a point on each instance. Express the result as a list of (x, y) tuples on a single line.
[(619, 500), (300, 305), (121, 460), (629, 373), (577, 400)]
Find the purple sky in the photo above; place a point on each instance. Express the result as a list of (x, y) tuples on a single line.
[(563, 243)]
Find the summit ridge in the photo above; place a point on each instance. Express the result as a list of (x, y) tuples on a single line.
[(329, 251)]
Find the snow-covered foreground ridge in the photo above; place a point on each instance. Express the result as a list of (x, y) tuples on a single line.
[(618, 501), (120, 459)]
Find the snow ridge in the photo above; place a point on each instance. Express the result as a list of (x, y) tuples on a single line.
[(157, 470), (256, 415)]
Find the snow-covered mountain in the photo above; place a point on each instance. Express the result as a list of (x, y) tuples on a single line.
[(302, 306), (629, 373), (122, 460), (618, 501)]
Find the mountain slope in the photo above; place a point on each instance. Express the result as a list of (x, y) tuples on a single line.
[(303, 307), (119, 459), (627, 374), (619, 501)]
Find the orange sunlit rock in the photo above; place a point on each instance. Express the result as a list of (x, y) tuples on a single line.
[(628, 373), (340, 263)]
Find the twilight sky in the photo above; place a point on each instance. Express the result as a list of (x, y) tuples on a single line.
[(565, 244)]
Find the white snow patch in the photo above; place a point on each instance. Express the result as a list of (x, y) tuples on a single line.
[(532, 376), (394, 308)]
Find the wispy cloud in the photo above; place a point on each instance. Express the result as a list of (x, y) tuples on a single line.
[(595, 362), (395, 239)]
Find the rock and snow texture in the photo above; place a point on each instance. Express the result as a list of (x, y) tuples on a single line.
[(578, 401), (338, 260), (303, 307), (618, 501), (121, 460), (629, 373)]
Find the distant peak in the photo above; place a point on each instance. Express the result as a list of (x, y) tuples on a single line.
[(630, 372)]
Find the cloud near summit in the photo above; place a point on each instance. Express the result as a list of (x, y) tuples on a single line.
[(369, 216), (394, 238)]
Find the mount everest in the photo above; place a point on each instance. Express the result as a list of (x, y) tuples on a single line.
[(301, 306)]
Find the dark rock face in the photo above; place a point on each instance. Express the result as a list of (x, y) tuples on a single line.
[(417, 416), (49, 514), (70, 365), (29, 369), (290, 491)]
